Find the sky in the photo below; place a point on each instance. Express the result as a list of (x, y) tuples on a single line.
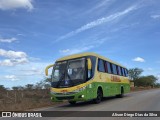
[(34, 33)]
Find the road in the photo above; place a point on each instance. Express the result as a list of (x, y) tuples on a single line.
[(147, 100)]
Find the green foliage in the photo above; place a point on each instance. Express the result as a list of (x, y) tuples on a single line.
[(134, 73), (48, 79), (145, 81), (2, 88), (29, 86), (157, 85), (18, 88)]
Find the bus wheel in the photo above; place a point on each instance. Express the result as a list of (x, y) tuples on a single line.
[(99, 96), (122, 93), (72, 102)]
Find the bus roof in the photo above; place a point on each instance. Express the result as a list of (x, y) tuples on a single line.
[(87, 54)]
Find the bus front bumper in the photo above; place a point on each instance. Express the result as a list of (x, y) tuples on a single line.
[(79, 96)]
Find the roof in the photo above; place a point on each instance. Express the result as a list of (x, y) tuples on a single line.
[(88, 54)]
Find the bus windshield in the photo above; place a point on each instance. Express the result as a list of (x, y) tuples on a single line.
[(68, 73)]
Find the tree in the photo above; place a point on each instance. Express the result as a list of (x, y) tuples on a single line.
[(18, 88), (47, 86), (146, 81), (29, 86), (134, 73), (40, 85), (15, 88), (157, 85), (2, 88), (48, 79)]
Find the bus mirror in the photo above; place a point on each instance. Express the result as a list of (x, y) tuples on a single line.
[(89, 63), (46, 70)]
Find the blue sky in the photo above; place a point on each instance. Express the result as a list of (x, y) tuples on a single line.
[(34, 33)]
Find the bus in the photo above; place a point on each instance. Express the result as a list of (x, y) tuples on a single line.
[(85, 77)]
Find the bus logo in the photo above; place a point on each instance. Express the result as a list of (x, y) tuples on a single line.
[(115, 79), (66, 82), (64, 91)]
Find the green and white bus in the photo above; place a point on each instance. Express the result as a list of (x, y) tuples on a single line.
[(87, 76)]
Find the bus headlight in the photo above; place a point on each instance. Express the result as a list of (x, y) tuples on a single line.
[(80, 89)]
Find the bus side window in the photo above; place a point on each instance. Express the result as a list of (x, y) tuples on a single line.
[(105, 65), (117, 69), (101, 65), (114, 69), (123, 72), (126, 72), (120, 72), (109, 69)]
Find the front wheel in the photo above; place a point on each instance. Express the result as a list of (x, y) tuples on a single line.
[(99, 97)]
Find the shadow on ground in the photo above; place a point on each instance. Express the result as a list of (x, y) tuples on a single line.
[(89, 103)]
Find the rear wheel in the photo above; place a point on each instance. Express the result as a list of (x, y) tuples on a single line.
[(99, 96), (72, 102), (122, 93)]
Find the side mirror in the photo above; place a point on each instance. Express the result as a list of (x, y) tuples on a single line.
[(46, 70), (89, 63)]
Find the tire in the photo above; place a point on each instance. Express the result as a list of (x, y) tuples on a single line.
[(72, 102), (99, 96), (122, 93)]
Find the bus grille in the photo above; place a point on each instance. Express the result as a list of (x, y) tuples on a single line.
[(65, 98), (67, 93)]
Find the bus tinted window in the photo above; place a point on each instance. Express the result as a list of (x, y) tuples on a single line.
[(108, 67), (105, 65), (114, 69), (101, 65), (119, 69), (126, 72), (123, 72), (111, 68)]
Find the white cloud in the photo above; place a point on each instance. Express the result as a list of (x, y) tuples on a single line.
[(13, 62), (98, 22), (14, 4), (139, 59), (12, 54), (15, 58), (65, 51), (155, 16), (75, 50), (7, 40), (11, 77)]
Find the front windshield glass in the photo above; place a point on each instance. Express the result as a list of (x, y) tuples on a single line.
[(59, 71), (76, 69), (68, 73)]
